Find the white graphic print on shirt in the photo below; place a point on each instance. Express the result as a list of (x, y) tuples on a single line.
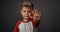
[(26, 27)]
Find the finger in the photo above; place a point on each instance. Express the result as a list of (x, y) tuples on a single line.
[(33, 12), (37, 10)]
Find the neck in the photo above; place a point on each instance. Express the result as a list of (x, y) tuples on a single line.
[(26, 20)]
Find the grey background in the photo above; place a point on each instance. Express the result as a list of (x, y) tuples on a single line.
[(50, 14)]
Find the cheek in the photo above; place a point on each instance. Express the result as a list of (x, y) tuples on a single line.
[(23, 14), (30, 14)]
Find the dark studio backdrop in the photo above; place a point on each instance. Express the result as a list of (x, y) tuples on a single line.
[(49, 9)]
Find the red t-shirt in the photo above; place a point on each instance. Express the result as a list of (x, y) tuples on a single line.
[(16, 29)]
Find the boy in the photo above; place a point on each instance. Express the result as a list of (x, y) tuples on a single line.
[(31, 17)]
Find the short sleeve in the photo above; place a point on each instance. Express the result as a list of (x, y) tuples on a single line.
[(16, 29)]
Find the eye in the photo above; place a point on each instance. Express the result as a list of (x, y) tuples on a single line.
[(24, 11), (29, 11)]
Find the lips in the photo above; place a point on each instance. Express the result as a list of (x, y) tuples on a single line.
[(26, 16)]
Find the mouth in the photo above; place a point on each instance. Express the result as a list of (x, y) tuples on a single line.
[(26, 16)]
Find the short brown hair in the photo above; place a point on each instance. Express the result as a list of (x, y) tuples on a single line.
[(27, 4)]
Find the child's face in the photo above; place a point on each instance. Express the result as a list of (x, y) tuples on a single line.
[(26, 12)]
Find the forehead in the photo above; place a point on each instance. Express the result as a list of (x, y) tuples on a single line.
[(26, 8)]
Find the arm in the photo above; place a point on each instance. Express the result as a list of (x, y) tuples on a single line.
[(16, 27), (36, 17)]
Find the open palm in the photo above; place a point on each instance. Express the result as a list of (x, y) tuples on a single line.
[(37, 14)]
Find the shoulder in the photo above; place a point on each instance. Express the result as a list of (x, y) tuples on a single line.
[(18, 22)]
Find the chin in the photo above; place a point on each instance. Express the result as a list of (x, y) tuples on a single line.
[(26, 18)]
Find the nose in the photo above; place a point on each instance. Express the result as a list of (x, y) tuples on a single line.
[(26, 13)]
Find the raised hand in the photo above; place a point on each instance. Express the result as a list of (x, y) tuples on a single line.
[(36, 14)]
